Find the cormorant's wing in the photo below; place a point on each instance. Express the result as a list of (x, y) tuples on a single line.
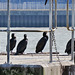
[(68, 46), (12, 43), (41, 44), (22, 46)]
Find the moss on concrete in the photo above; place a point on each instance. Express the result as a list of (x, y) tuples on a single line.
[(21, 70)]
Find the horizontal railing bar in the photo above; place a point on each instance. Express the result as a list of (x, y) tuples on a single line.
[(27, 30), (32, 9)]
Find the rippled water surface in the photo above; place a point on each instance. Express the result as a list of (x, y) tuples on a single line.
[(62, 36)]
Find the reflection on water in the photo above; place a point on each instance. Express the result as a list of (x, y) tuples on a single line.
[(62, 37)]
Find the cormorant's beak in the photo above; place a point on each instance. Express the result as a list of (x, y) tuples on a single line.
[(46, 2)]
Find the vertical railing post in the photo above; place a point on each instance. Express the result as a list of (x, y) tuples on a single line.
[(56, 13), (8, 31), (67, 17), (72, 42), (50, 27)]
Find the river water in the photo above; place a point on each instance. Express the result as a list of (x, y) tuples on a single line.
[(62, 36)]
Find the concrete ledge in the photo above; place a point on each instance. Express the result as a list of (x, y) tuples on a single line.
[(36, 64), (6, 69), (9, 69)]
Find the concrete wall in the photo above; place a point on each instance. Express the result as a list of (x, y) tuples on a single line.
[(20, 70), (6, 69)]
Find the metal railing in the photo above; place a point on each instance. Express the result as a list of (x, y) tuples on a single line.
[(50, 23), (8, 32), (50, 28), (67, 17), (72, 28)]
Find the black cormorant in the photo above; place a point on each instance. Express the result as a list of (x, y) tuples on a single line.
[(22, 45), (42, 42), (12, 42), (68, 47), (46, 2)]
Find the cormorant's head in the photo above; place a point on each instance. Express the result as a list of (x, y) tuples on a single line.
[(13, 35), (44, 33), (25, 36)]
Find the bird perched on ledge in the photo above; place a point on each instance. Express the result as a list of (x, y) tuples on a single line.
[(22, 45), (42, 42), (12, 42), (68, 47)]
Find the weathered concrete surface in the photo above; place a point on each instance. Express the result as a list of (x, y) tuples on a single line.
[(30, 62), (6, 69), (36, 59)]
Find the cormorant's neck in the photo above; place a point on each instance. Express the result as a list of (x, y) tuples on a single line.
[(25, 38), (44, 35), (13, 37)]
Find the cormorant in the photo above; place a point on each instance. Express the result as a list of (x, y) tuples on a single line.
[(22, 45), (12, 42), (41, 43), (68, 47), (46, 2)]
